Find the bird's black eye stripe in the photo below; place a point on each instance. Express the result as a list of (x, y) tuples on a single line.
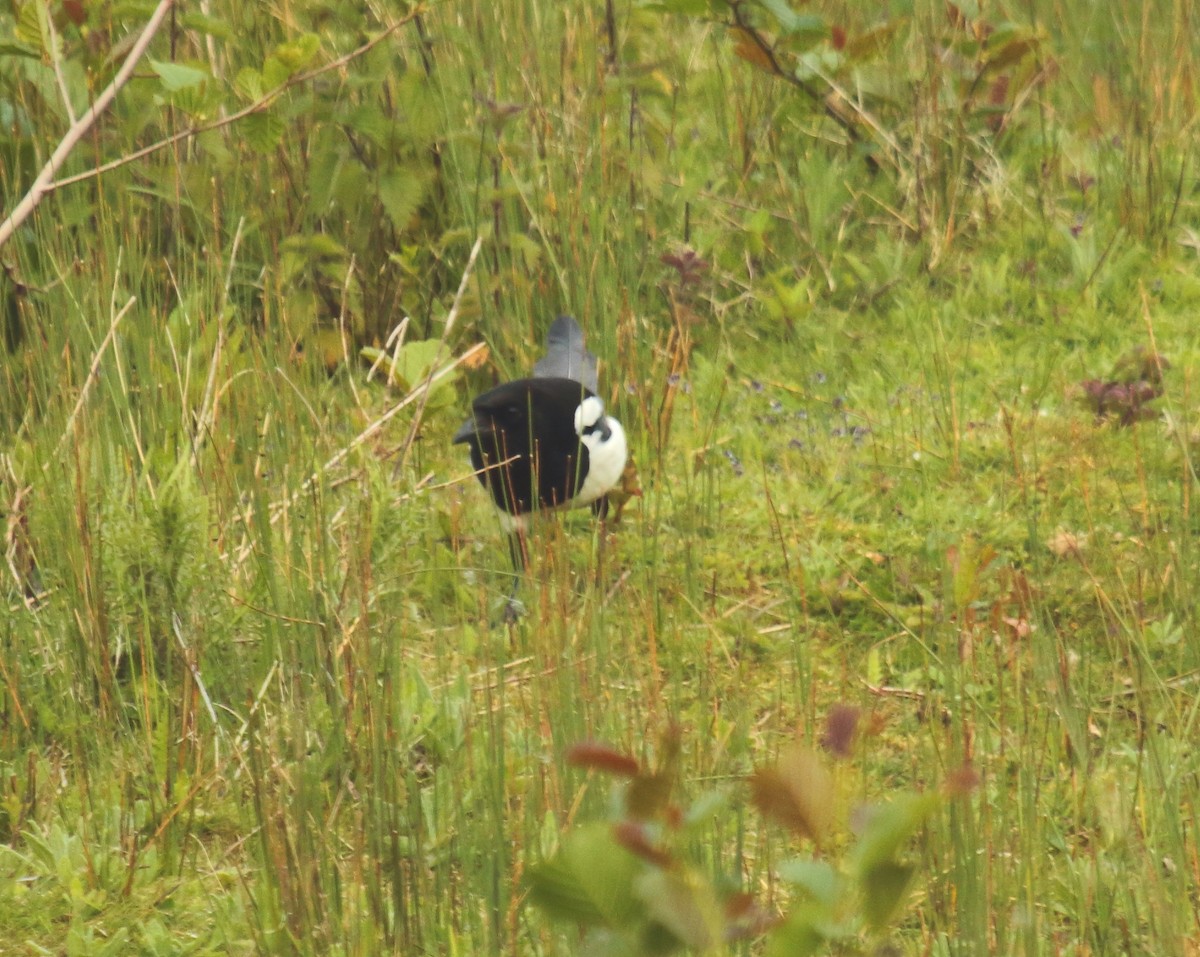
[(601, 426)]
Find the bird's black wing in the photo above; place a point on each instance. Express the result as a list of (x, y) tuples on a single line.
[(530, 425)]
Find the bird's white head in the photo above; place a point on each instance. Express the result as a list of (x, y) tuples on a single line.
[(607, 448)]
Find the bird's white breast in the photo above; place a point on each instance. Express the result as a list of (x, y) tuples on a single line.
[(606, 456)]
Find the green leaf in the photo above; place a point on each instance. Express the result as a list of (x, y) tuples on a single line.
[(889, 827), (28, 29), (687, 8), (15, 47), (249, 83), (801, 935), (401, 193), (262, 131), (296, 54), (213, 26), (706, 807), (685, 905), (883, 890), (178, 76), (590, 880), (413, 364), (793, 24), (817, 877)]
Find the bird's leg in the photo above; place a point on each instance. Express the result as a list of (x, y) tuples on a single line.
[(513, 609)]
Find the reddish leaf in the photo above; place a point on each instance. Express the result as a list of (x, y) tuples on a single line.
[(632, 836), (75, 11), (837, 36), (601, 757), (841, 725)]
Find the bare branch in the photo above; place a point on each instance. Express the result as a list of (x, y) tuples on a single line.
[(262, 103), (39, 188)]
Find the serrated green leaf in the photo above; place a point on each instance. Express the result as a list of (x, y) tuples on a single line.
[(178, 76), (28, 29), (883, 889), (369, 120), (249, 83), (821, 881), (275, 72), (401, 193), (589, 881), (296, 54), (262, 131)]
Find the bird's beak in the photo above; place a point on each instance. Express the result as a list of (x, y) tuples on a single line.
[(471, 429)]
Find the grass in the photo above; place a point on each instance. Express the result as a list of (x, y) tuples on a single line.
[(256, 707)]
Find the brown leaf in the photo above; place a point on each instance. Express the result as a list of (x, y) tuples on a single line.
[(962, 781), (748, 49), (476, 358), (649, 795), (601, 757), (797, 792), (1066, 544)]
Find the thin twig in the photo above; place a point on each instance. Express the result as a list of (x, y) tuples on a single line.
[(258, 106), (42, 185)]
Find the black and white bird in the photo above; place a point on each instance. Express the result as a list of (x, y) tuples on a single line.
[(546, 442)]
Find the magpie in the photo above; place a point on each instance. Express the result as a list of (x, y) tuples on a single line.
[(546, 442)]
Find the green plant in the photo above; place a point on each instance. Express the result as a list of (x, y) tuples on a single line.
[(634, 886)]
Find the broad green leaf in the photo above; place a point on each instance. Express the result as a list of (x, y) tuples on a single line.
[(706, 807), (28, 29), (249, 83), (413, 363), (883, 889), (401, 192), (262, 131), (784, 15), (296, 54), (817, 877), (15, 47), (684, 904), (802, 934), (178, 76), (889, 827), (590, 880), (213, 26)]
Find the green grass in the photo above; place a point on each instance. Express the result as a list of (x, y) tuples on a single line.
[(256, 707)]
